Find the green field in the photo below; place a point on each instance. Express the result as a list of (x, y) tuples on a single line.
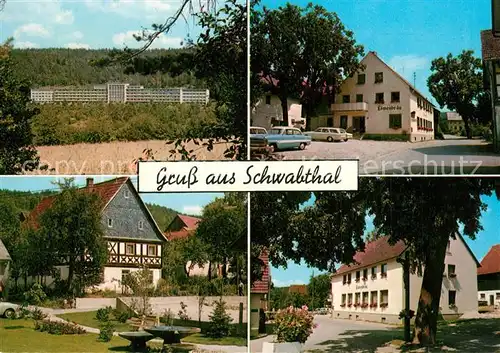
[(70, 123)]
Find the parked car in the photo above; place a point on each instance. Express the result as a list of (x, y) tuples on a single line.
[(258, 141), (322, 311), (347, 134), (8, 309), (284, 137), (256, 130), (329, 134)]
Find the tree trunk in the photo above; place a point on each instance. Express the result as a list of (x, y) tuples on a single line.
[(468, 131), (209, 271), (284, 108), (71, 269), (224, 269), (406, 281), (430, 294)]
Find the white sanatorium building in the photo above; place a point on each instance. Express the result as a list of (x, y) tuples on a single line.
[(373, 289), (380, 101)]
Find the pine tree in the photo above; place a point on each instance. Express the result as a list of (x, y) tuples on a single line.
[(219, 321)]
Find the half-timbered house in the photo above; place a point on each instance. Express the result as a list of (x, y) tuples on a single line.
[(132, 235)]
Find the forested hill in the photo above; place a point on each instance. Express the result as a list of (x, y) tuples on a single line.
[(18, 202), (71, 67)]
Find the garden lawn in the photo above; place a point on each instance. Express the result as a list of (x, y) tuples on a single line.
[(199, 338), (88, 319), (20, 336)]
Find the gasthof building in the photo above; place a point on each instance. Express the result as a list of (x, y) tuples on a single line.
[(372, 289), (379, 101)]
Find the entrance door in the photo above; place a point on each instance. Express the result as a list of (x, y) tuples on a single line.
[(492, 300), (358, 124)]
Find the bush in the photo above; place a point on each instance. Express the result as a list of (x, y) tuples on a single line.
[(385, 137), (58, 327), (102, 314), (219, 321), (121, 316), (294, 324), (35, 295), (106, 329), (168, 317), (38, 314)]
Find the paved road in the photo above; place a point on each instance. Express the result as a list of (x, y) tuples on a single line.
[(330, 335), (451, 156)]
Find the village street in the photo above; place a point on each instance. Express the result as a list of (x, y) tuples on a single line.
[(450, 156), (339, 336)]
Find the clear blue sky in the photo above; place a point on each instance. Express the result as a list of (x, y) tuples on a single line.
[(408, 34), (190, 203), (90, 23), (300, 273)]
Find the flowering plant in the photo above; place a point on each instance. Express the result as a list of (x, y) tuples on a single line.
[(294, 324)]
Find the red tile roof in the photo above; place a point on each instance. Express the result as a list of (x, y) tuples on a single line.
[(190, 221), (491, 262), (376, 251), (106, 190), (490, 45), (262, 286), (180, 234)]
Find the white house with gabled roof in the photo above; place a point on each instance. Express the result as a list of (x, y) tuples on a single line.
[(372, 287), (380, 101)]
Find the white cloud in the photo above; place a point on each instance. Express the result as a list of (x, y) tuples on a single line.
[(77, 35), (48, 11), (25, 45), (407, 64), (279, 283), (31, 30), (127, 39), (193, 210), (64, 17), (136, 8), (77, 46)]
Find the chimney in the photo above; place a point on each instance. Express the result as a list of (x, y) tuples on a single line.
[(90, 182)]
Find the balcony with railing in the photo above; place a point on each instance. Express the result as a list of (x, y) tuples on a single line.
[(350, 107)]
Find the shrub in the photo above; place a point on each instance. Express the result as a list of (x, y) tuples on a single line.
[(38, 314), (102, 314), (168, 317), (58, 327), (219, 321), (294, 324), (183, 315), (106, 329), (386, 137), (35, 295), (121, 316)]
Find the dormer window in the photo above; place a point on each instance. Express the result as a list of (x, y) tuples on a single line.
[(141, 225), (127, 194), (110, 223)]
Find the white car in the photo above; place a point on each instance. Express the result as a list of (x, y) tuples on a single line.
[(256, 130), (8, 309), (348, 135), (329, 134)]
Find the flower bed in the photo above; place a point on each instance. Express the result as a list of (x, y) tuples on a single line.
[(294, 324), (58, 327)]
